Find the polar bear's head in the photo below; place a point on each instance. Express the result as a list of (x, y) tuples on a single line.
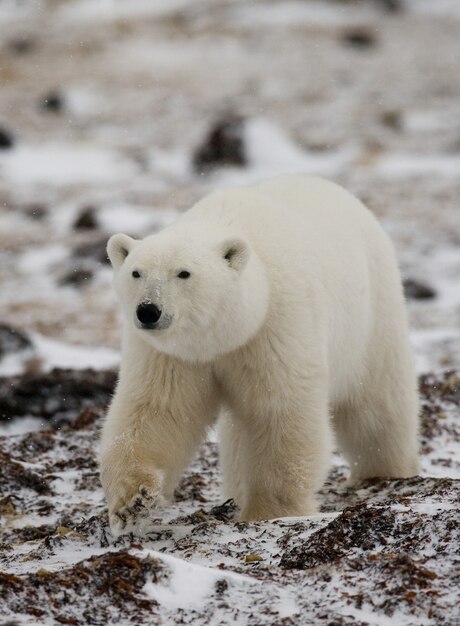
[(191, 295)]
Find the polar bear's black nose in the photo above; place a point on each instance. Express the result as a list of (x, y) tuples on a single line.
[(148, 314)]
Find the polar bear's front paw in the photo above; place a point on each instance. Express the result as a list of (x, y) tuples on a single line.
[(131, 514)]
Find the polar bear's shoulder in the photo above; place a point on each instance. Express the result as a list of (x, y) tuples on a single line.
[(291, 190)]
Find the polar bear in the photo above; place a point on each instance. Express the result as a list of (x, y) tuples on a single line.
[(279, 308)]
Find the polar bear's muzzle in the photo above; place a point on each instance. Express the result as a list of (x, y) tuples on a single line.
[(149, 317)]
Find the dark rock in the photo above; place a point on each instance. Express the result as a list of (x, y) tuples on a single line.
[(392, 119), (86, 219), (36, 211), (58, 396), (226, 511), (6, 139), (53, 102), (223, 512), (94, 250), (88, 418), (223, 146), (390, 6), (12, 340), (21, 45), (76, 277), (359, 38), (7, 204), (415, 290), (221, 586)]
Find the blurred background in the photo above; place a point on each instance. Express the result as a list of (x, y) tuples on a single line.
[(118, 115)]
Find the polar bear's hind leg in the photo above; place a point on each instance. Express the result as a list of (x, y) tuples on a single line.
[(377, 427)]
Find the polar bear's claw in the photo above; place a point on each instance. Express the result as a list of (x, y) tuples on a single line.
[(132, 516)]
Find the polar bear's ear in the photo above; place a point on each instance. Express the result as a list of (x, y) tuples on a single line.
[(118, 248), (236, 252)]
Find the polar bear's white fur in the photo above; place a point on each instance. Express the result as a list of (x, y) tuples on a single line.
[(280, 307)]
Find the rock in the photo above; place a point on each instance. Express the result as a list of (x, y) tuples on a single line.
[(12, 340), (36, 211), (88, 418), (390, 6), (226, 511), (86, 219), (223, 146), (359, 38), (58, 396), (53, 102), (392, 119), (21, 45), (6, 139), (95, 250), (221, 586), (76, 277), (415, 290)]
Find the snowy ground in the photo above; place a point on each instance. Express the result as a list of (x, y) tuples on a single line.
[(107, 105), (383, 554)]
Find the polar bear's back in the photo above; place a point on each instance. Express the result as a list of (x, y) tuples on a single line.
[(295, 205), (291, 220)]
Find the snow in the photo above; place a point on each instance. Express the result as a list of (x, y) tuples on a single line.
[(369, 617), (294, 14), (63, 164), (199, 557), (21, 426), (440, 8), (56, 354), (172, 164), (84, 101), (413, 166), (434, 120), (272, 152), (189, 584), (52, 353), (120, 9), (12, 10), (428, 343), (134, 219), (38, 260)]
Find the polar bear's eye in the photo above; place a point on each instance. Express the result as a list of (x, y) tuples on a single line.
[(183, 274), (135, 274)]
